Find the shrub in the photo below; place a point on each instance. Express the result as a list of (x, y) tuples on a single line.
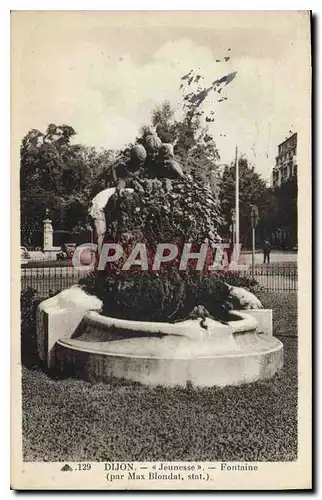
[(29, 301), (171, 297), (233, 278), (152, 297), (187, 213)]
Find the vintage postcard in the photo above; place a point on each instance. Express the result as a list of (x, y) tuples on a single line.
[(161, 218)]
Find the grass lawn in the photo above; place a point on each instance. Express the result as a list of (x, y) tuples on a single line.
[(73, 420)]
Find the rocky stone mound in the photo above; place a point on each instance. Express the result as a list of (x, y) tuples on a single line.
[(166, 211)]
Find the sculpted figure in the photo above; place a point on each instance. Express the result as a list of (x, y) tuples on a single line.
[(162, 165), (127, 174), (172, 168), (243, 299)]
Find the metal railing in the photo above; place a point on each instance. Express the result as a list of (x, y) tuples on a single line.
[(49, 280), (275, 277)]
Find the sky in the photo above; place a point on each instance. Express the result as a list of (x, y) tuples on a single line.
[(103, 73)]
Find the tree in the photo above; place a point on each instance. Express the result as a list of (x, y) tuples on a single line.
[(194, 134), (163, 121), (285, 221), (58, 175), (193, 145), (252, 191), (59, 135)]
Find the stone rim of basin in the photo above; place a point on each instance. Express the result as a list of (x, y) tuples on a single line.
[(176, 348), (194, 329)]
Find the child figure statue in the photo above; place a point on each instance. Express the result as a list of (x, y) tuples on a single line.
[(172, 167), (169, 167), (127, 174)]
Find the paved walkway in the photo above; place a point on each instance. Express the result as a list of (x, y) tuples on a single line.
[(275, 256)]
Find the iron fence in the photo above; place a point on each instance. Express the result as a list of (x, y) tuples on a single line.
[(49, 280), (275, 277)]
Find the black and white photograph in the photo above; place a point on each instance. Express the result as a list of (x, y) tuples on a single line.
[(162, 189)]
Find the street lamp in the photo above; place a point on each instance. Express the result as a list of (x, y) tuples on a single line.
[(233, 222), (237, 201), (254, 219)]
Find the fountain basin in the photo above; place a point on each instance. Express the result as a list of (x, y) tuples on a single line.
[(77, 340)]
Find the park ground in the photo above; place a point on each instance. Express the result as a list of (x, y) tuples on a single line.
[(275, 256), (73, 420)]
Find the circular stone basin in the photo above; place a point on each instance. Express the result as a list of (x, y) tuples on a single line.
[(170, 354)]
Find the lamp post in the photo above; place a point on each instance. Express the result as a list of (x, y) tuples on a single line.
[(233, 233), (254, 218), (233, 225), (237, 201)]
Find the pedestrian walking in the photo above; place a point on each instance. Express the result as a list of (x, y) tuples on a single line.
[(266, 251)]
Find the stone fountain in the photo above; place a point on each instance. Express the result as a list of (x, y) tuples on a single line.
[(77, 336)]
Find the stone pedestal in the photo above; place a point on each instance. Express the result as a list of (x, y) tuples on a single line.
[(58, 318), (50, 251), (264, 319), (48, 234)]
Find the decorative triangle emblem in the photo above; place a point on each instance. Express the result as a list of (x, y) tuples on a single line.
[(66, 467)]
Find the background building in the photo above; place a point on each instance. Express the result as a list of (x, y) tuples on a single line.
[(284, 182), (286, 163)]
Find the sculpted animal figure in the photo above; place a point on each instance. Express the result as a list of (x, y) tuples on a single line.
[(243, 299)]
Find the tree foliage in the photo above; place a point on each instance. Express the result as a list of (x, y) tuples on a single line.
[(285, 215), (194, 147), (58, 175), (61, 175), (252, 191)]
